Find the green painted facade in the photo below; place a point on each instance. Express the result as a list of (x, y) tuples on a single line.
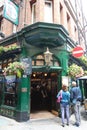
[(34, 40)]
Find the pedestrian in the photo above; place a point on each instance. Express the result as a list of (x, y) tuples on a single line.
[(75, 96), (64, 104)]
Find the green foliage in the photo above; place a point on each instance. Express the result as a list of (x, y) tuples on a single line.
[(75, 71), (15, 68), (84, 60), (13, 47), (1, 49), (85, 72), (5, 49)]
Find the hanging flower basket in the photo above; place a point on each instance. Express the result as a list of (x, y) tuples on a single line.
[(75, 71), (16, 68)]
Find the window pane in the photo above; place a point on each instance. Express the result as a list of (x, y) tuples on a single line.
[(34, 13), (39, 62), (48, 11), (14, 28)]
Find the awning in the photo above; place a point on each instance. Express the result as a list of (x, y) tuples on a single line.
[(83, 77)]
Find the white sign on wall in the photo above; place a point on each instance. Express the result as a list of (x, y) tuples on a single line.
[(66, 80), (11, 11), (1, 3)]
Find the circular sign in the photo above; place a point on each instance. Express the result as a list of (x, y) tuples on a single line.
[(77, 52)]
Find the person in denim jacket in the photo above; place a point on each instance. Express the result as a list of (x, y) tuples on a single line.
[(75, 96), (64, 104)]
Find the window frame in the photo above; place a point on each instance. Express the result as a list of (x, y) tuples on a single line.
[(33, 15), (51, 19)]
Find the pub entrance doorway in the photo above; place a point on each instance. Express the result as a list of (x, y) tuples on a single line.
[(44, 87)]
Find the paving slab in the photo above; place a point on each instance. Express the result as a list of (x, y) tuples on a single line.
[(43, 124)]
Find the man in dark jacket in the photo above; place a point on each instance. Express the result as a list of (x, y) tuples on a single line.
[(75, 95)]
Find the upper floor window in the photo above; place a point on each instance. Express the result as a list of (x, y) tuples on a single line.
[(61, 14), (68, 23), (68, 48), (1, 20), (34, 13), (48, 11), (1, 28), (14, 28)]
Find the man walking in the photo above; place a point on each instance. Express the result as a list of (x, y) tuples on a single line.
[(75, 95)]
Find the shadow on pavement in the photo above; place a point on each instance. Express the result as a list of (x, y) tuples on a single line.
[(83, 114)]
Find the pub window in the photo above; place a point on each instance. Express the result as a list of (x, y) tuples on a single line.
[(10, 91), (56, 63), (40, 60), (33, 62)]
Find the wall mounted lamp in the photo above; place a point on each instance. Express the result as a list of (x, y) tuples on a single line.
[(47, 56)]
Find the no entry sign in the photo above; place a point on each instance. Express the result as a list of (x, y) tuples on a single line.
[(77, 52)]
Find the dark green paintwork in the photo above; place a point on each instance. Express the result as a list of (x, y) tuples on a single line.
[(34, 39), (23, 94)]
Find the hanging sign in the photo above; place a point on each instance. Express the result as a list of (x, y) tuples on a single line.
[(27, 62), (78, 52), (11, 12)]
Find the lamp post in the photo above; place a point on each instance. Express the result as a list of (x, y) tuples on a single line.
[(48, 56)]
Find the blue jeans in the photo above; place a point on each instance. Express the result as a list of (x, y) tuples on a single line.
[(77, 112), (64, 110)]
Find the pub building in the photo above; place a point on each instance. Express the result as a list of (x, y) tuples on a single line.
[(43, 46)]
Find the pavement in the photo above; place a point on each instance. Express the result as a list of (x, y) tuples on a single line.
[(43, 124)]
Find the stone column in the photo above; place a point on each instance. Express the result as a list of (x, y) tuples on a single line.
[(40, 10), (56, 12)]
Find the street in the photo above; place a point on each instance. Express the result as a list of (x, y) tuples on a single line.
[(43, 124)]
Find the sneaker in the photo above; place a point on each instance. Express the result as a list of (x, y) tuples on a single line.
[(67, 124), (76, 124), (63, 125)]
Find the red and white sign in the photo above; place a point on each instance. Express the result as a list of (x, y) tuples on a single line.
[(77, 52)]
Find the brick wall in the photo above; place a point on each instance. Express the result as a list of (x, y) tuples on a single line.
[(25, 16)]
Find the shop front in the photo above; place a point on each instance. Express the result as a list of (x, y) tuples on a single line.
[(14, 89), (37, 89)]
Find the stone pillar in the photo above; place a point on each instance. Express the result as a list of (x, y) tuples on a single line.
[(40, 10), (64, 18), (56, 12)]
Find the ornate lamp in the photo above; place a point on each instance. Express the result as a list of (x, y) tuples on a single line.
[(48, 57)]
